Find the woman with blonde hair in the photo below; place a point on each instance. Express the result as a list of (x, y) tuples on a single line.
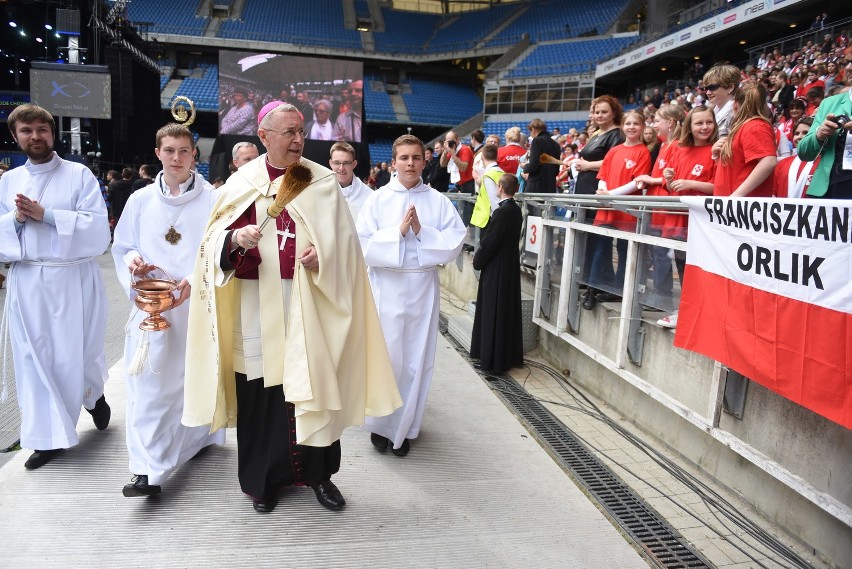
[(509, 156), (746, 157)]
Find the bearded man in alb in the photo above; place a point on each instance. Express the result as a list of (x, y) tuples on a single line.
[(53, 225)]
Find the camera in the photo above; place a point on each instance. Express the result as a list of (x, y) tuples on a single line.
[(451, 143), (841, 120)]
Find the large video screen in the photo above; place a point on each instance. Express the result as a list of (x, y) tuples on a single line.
[(71, 91), (11, 100), (328, 92)]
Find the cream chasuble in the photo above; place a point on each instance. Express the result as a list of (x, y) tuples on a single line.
[(325, 348)]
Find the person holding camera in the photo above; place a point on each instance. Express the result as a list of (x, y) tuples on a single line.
[(831, 140), (458, 160)]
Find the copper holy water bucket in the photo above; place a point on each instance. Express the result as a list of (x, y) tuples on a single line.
[(154, 296)]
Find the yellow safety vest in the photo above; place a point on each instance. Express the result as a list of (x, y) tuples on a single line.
[(482, 208)]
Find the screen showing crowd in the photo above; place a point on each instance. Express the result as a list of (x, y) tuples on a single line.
[(328, 92)]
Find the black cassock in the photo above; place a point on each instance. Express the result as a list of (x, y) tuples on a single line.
[(497, 337)]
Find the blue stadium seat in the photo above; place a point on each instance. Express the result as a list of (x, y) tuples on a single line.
[(428, 102), (402, 35), (464, 31), (302, 22), (568, 58), (555, 19), (203, 168), (204, 92), (167, 17), (500, 128), (381, 151), (377, 104)]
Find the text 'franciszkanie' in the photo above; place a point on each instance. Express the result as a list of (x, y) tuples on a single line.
[(804, 219)]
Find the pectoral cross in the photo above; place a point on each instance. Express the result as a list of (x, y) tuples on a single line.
[(285, 235), (173, 236)]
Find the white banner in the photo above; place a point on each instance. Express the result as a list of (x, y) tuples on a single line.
[(797, 248)]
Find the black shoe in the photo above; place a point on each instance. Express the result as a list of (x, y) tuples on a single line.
[(140, 487), (379, 441), (201, 452), (328, 495), (101, 413), (589, 299), (41, 457), (403, 448), (607, 297), (264, 506)]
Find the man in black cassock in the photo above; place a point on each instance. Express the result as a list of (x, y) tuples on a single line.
[(497, 340)]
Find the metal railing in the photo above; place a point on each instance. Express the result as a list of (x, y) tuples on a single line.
[(560, 269)]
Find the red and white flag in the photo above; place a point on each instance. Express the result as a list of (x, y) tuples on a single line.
[(768, 293)]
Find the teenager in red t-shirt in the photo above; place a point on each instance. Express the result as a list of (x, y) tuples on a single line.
[(793, 176), (691, 172), (667, 124), (811, 80), (620, 167), (691, 169), (746, 157)]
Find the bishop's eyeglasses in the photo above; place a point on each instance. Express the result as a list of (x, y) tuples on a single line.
[(289, 132)]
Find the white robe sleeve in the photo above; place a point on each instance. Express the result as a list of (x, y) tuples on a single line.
[(440, 244), (125, 244), (84, 231), (383, 247), (10, 242)]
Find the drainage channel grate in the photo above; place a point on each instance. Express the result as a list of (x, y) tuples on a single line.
[(659, 540)]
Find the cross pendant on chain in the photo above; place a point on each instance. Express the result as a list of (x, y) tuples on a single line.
[(285, 236)]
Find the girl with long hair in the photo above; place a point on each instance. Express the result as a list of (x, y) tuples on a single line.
[(667, 124), (795, 111), (649, 138), (746, 157), (616, 176), (690, 172)]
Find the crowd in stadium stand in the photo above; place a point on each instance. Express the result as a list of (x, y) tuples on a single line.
[(732, 132), (764, 130)]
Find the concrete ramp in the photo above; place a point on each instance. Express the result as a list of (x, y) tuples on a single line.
[(475, 491)]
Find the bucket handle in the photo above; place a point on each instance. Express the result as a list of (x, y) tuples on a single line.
[(133, 274)]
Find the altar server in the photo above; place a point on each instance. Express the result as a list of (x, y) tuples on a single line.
[(161, 227), (407, 229), (53, 225)]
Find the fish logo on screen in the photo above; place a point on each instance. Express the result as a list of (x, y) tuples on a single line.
[(71, 90)]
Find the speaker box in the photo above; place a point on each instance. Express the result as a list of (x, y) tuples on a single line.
[(68, 22)]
